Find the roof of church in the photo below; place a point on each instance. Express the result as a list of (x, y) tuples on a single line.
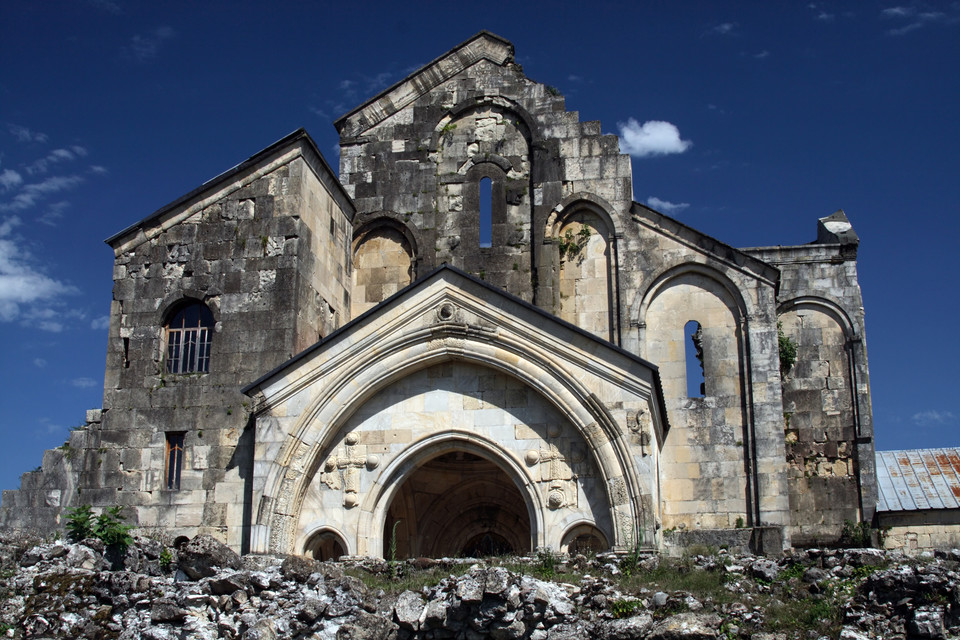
[(918, 479), (327, 175), (482, 46), (655, 371)]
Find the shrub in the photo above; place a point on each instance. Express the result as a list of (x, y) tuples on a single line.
[(107, 527), (788, 350)]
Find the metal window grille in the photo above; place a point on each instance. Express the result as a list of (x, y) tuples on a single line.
[(189, 336)]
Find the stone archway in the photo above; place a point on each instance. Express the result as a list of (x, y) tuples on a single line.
[(457, 504)]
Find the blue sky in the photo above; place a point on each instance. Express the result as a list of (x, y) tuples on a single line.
[(746, 120)]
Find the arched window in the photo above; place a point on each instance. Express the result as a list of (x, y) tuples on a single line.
[(693, 338), (486, 212), (189, 335)]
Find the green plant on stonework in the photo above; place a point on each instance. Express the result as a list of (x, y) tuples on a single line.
[(80, 523), (802, 615), (107, 527), (856, 536), (628, 564), (793, 571), (572, 244), (545, 567), (410, 579), (624, 608), (166, 558), (741, 523), (788, 350)]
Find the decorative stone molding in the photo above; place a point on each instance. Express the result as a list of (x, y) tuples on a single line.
[(343, 471)]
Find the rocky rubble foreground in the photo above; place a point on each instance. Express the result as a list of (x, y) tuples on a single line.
[(205, 590)]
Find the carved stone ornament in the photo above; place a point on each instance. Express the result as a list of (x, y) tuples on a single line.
[(447, 312), (342, 471)]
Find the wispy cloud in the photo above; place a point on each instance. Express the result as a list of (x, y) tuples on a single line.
[(53, 213), (84, 383), (106, 5), (666, 206), (10, 179), (49, 426), (55, 156), (103, 322), (763, 54), (39, 363), (652, 138), (146, 47), (574, 78), (30, 194), (926, 418), (23, 134), (22, 283), (897, 12), (911, 18), (724, 28)]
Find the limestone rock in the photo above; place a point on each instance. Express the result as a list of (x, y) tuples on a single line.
[(202, 556), (686, 626)]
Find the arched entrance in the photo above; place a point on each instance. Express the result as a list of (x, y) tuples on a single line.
[(457, 503), (325, 545)]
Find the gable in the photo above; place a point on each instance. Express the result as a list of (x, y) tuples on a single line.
[(288, 149), (465, 318), (482, 46)]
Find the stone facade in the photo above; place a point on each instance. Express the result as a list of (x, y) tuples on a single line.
[(471, 341)]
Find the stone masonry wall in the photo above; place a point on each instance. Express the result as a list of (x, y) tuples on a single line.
[(420, 166), (268, 258), (828, 428)]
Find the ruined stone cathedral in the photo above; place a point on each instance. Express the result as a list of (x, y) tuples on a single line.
[(471, 341)]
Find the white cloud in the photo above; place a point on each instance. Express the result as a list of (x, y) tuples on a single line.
[(934, 417), (21, 283), (666, 206), (97, 169), (53, 213), (574, 78), (22, 134), (897, 12), (724, 28), (146, 47), (825, 17), (83, 383), (9, 179), (652, 138), (49, 426), (55, 156), (915, 19), (35, 191), (103, 322), (763, 54), (40, 363)]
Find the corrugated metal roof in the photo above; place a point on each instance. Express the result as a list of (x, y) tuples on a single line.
[(918, 479)]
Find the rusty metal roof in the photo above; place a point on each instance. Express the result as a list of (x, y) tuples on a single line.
[(918, 479)]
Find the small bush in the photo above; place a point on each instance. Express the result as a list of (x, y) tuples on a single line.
[(624, 608), (107, 527), (788, 350), (856, 536)]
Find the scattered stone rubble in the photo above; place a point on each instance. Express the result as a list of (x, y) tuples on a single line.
[(205, 590)]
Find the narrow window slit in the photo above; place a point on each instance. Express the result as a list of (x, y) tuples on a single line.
[(693, 339), (486, 212), (174, 459)]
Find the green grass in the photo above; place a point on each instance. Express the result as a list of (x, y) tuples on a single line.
[(405, 577)]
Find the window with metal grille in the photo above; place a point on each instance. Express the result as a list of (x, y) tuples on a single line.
[(189, 335), (174, 459)]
